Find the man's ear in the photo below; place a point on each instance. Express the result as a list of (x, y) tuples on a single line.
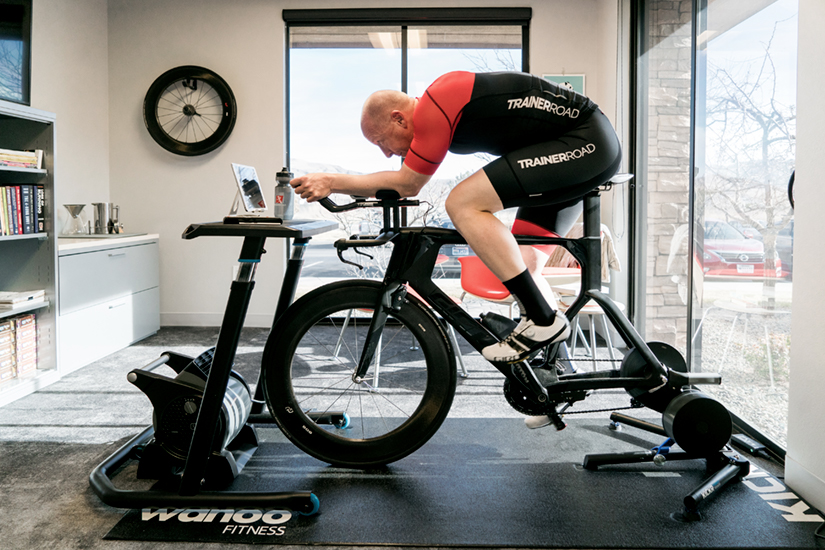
[(398, 117)]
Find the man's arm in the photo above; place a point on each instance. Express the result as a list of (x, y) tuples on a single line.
[(314, 187)]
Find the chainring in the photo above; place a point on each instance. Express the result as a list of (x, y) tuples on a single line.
[(523, 401)]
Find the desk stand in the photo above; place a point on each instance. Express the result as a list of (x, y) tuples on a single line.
[(726, 465), (185, 490)]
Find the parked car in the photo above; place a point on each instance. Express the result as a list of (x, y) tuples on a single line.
[(748, 231), (448, 266), (729, 253), (784, 242), (784, 247)]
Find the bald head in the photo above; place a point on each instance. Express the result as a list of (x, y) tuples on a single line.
[(379, 109)]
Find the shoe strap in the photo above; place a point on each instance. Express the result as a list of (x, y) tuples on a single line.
[(518, 342)]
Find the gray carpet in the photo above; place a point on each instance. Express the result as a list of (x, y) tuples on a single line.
[(51, 440)]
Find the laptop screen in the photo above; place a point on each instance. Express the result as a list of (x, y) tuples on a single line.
[(251, 193)]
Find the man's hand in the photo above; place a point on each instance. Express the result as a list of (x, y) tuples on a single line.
[(313, 187)]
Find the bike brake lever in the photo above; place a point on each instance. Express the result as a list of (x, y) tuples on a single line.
[(364, 254), (341, 257)]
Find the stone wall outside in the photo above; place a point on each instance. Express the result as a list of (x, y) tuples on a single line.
[(668, 168)]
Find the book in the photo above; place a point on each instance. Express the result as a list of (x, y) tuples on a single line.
[(21, 159), (26, 356), (25, 342), (18, 205), (26, 209), (10, 209), (11, 300), (3, 216), (7, 350), (6, 340), (8, 355), (40, 209), (8, 369)]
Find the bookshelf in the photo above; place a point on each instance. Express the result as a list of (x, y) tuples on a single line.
[(30, 261)]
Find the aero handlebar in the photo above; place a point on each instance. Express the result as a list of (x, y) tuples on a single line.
[(383, 199), (390, 201)]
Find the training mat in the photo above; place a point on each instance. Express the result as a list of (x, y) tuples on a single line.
[(493, 483)]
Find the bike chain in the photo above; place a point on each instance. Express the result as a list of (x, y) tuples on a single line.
[(611, 409), (589, 360), (635, 405)]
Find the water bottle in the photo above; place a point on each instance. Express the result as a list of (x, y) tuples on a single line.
[(284, 206)]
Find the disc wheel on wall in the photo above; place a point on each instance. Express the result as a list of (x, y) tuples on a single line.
[(189, 110)]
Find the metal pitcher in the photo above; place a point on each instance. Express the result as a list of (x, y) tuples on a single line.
[(106, 217)]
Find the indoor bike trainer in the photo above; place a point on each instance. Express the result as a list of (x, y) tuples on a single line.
[(201, 436)]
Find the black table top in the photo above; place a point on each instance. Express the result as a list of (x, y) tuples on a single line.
[(293, 229)]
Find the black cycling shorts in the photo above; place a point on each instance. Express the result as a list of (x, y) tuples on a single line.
[(548, 180)]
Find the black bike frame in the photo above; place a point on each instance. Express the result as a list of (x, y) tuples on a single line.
[(412, 261)]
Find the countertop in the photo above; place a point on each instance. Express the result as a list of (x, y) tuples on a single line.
[(74, 245)]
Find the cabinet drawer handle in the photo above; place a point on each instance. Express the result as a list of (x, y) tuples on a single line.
[(113, 306), (113, 254)]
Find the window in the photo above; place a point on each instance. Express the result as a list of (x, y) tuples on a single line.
[(337, 58), (15, 42), (716, 141), (745, 150)]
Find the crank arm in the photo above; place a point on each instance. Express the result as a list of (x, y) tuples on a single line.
[(526, 377)]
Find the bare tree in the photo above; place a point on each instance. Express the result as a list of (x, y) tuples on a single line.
[(751, 148), (11, 67)]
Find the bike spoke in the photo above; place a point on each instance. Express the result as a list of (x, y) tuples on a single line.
[(323, 390)]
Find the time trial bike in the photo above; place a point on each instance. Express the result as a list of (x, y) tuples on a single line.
[(360, 373)]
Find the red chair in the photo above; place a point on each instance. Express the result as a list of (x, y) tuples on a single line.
[(477, 280)]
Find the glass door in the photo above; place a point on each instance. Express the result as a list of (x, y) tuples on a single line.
[(743, 220)]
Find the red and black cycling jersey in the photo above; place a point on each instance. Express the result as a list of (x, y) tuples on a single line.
[(494, 113)]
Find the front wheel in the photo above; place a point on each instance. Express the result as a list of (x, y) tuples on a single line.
[(309, 360)]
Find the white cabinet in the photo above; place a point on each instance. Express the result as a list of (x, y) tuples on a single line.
[(109, 296)]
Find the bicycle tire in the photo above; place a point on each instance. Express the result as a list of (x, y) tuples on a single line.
[(172, 104), (385, 418)]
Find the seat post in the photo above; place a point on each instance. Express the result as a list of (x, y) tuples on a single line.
[(591, 240)]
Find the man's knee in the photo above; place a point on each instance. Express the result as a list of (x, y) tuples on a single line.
[(472, 195), (454, 205)]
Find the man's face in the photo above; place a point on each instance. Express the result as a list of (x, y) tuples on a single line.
[(393, 140)]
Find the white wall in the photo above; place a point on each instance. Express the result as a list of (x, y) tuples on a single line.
[(805, 461), (70, 78), (160, 192), (243, 42)]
